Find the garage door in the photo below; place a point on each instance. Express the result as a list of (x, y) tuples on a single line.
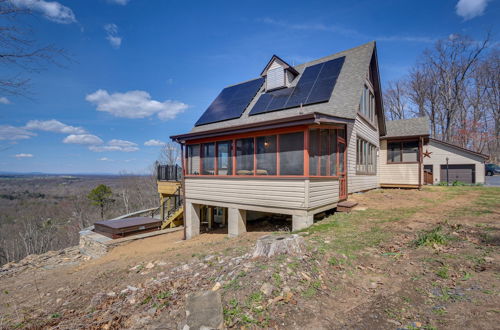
[(463, 173)]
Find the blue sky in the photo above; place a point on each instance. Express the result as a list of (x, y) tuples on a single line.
[(143, 70)]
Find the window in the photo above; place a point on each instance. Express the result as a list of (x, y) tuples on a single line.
[(323, 151), (402, 152), (244, 156), (275, 78), (410, 151), (193, 159), (266, 155), (291, 150), (367, 104), (208, 158), (366, 157), (224, 158)]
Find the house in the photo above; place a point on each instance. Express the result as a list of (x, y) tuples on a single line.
[(295, 141), (410, 158)]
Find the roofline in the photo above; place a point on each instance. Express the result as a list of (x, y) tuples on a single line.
[(287, 66), (383, 127), (307, 119), (403, 136), (458, 147)]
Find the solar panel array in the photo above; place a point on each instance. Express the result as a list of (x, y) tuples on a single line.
[(231, 102), (314, 86)]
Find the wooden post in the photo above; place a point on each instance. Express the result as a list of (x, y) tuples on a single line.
[(162, 208)]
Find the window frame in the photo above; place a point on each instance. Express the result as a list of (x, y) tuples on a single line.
[(278, 133), (367, 104), (401, 142), (366, 152)]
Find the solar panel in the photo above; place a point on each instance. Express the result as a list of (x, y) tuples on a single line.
[(314, 86), (231, 102)]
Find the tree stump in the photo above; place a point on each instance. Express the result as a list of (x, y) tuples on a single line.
[(270, 245)]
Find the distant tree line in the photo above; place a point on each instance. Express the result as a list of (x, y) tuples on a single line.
[(456, 83)]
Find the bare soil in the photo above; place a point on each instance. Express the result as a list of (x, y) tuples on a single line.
[(406, 259)]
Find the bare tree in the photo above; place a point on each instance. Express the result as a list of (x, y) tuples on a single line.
[(20, 54), (396, 100), (170, 154)]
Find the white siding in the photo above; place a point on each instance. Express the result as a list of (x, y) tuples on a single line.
[(323, 192), (355, 182), (394, 174), (455, 156), (279, 193)]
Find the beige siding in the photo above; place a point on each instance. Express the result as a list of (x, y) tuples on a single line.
[(360, 182), (278, 193), (404, 174), (323, 192), (455, 156)]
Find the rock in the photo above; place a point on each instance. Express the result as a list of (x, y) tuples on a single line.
[(97, 299), (488, 259), (185, 267), (204, 310), (267, 289), (58, 300), (132, 288), (216, 286), (150, 265), (270, 245), (111, 294)]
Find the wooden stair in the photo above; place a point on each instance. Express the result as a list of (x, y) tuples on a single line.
[(175, 219), (346, 206)]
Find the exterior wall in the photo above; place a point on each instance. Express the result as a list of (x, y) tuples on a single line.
[(323, 192), (394, 174), (257, 194), (455, 156), (364, 130)]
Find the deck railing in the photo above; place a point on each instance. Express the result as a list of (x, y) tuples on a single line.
[(169, 173)]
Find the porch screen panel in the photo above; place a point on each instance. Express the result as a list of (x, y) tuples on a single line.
[(224, 158), (244, 156), (324, 145), (410, 151), (394, 152), (341, 148), (193, 159), (266, 155), (291, 148), (208, 158), (333, 153), (313, 151)]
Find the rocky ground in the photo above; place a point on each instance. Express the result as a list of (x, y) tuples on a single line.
[(406, 259)]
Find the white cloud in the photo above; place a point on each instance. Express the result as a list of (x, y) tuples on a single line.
[(135, 104), (154, 143), (52, 10), (112, 35), (320, 27), (104, 159), (88, 139), (469, 9), (19, 156), (115, 145), (119, 2), (4, 100), (8, 132), (53, 126)]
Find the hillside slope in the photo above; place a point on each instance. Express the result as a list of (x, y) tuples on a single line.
[(405, 258)]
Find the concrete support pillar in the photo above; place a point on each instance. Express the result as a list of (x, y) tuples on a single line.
[(237, 222), (302, 221), (192, 220)]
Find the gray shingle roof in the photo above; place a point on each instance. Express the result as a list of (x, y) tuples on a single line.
[(407, 127), (344, 101)]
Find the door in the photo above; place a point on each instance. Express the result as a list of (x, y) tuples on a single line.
[(342, 170), (428, 177), (463, 173)]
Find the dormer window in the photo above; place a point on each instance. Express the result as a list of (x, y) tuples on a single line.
[(278, 74), (275, 78)]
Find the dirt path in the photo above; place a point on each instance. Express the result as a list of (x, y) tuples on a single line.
[(361, 270)]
